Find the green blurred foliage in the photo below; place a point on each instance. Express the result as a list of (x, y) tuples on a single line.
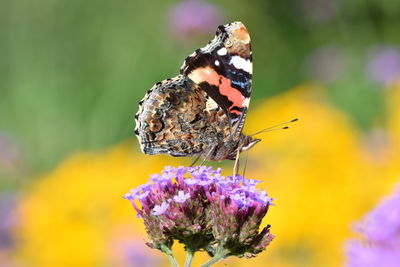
[(72, 72)]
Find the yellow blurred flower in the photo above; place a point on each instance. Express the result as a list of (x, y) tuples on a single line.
[(76, 215), (317, 171), (319, 174), (393, 110)]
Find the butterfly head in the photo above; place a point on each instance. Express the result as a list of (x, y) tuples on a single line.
[(248, 142), (244, 143)]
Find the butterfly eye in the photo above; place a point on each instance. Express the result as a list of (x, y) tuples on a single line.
[(228, 43)]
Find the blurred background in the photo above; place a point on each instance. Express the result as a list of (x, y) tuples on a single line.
[(72, 73)]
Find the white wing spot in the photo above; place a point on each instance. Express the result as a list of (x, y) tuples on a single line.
[(241, 63), (246, 102), (211, 104), (222, 51), (216, 63)]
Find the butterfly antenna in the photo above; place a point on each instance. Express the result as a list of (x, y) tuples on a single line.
[(280, 126)]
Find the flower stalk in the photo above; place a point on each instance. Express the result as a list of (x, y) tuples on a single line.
[(189, 258), (171, 257), (221, 254)]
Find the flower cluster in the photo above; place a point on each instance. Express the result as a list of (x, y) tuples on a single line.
[(381, 228), (204, 210)]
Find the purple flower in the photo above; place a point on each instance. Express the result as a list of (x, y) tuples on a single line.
[(191, 181), (10, 155), (165, 177), (384, 64), (181, 197), (137, 256), (251, 182), (194, 17), (381, 230), (318, 11), (197, 203), (128, 251), (8, 216), (160, 209), (326, 64), (142, 195), (370, 256)]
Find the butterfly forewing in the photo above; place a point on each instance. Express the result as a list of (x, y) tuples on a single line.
[(223, 69)]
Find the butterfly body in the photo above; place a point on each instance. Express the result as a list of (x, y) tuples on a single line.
[(201, 112)]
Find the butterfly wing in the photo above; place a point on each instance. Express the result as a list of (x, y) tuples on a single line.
[(199, 111), (174, 119), (223, 69)]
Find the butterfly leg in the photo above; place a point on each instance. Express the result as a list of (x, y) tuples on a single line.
[(199, 156), (195, 160), (208, 154), (236, 165), (245, 163)]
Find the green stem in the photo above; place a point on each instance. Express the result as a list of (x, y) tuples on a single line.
[(221, 254), (189, 258), (173, 261), (171, 258)]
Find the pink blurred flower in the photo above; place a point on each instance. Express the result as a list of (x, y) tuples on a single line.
[(381, 231), (319, 11), (384, 64), (8, 220), (10, 152), (8, 202), (129, 250), (194, 17), (326, 63), (136, 254)]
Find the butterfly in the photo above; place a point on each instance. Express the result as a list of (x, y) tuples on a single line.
[(201, 112)]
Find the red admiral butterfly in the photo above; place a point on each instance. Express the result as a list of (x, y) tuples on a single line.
[(201, 112)]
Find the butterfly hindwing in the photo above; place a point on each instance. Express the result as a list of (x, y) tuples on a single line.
[(175, 117)]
